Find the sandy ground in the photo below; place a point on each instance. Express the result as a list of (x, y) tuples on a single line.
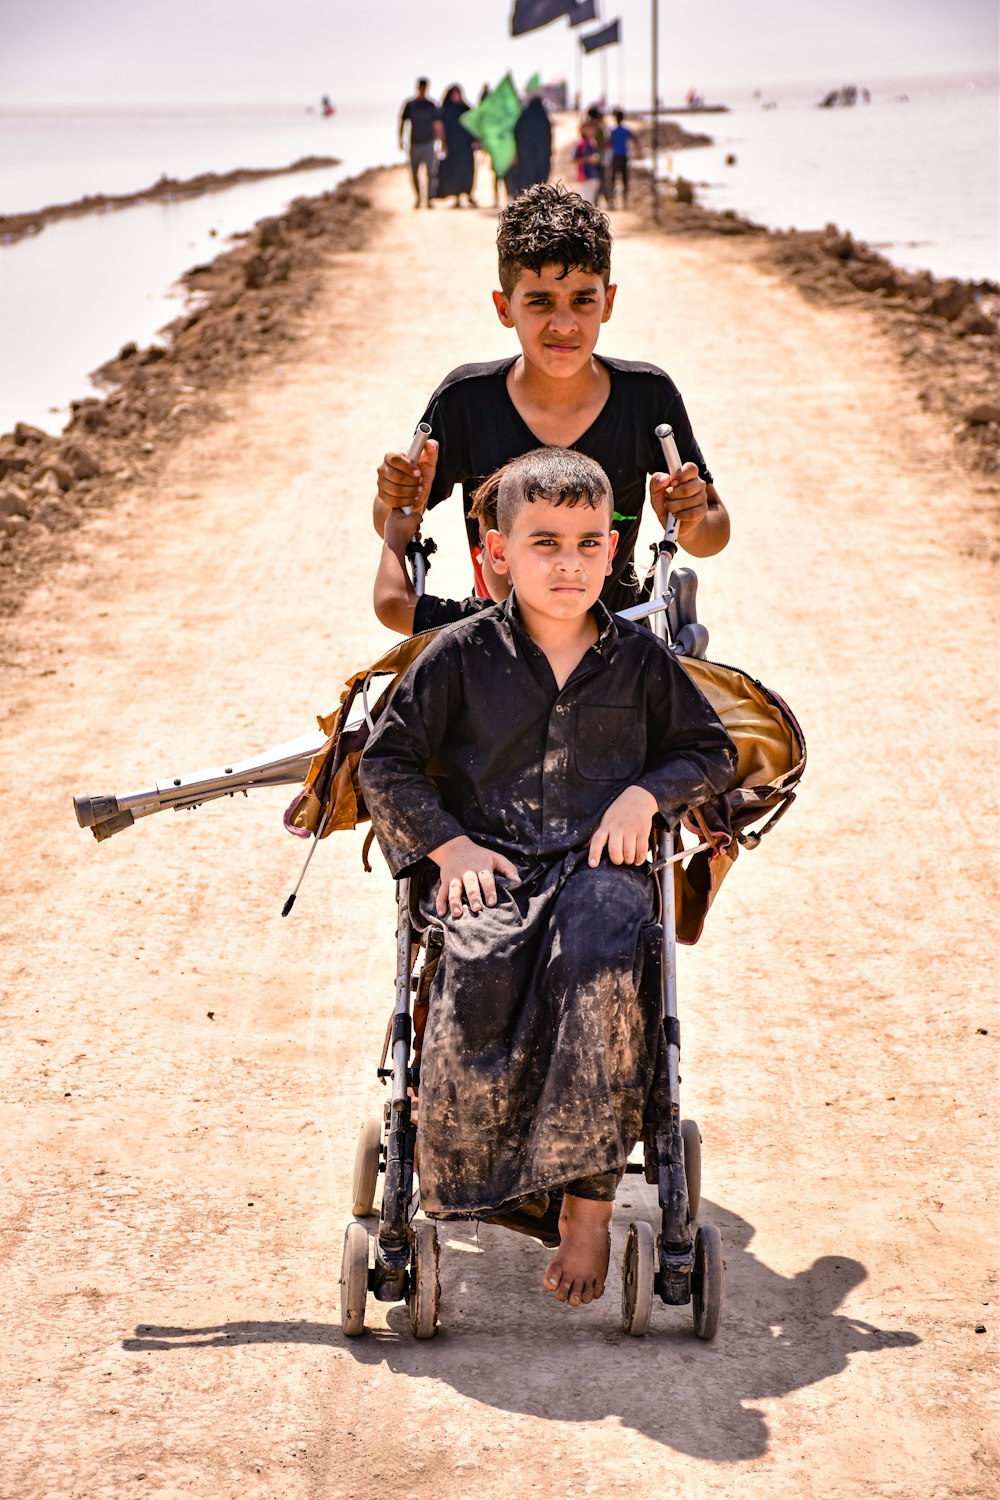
[(184, 1073)]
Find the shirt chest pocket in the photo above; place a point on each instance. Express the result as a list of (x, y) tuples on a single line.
[(606, 742)]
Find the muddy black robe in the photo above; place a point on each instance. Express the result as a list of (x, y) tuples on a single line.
[(541, 1040)]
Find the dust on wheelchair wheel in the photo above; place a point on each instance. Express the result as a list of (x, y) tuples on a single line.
[(638, 1272), (708, 1280), (425, 1288), (691, 1140), (367, 1156), (354, 1280)]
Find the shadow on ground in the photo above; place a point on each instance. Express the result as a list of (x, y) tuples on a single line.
[(507, 1344)]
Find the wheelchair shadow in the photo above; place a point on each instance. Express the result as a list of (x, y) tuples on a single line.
[(507, 1344)]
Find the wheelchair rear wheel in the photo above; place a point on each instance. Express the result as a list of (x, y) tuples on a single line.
[(366, 1164), (425, 1288), (638, 1271), (708, 1281), (354, 1280), (691, 1139)]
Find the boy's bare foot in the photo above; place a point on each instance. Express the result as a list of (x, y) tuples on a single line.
[(577, 1271)]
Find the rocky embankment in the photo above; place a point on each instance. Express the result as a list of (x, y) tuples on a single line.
[(17, 226), (947, 331), (246, 307)]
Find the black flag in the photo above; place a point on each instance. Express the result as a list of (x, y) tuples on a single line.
[(606, 37), (529, 15), (583, 10)]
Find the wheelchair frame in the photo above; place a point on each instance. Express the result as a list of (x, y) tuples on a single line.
[(684, 1262)]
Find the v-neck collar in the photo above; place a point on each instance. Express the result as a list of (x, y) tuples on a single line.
[(505, 371)]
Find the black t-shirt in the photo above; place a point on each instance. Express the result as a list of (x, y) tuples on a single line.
[(479, 428), (431, 612), (422, 115)]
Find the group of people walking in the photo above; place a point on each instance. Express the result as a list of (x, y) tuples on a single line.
[(602, 157), (443, 152)]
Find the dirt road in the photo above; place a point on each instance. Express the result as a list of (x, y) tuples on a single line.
[(184, 1073)]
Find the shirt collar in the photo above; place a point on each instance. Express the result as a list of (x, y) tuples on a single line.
[(607, 628)]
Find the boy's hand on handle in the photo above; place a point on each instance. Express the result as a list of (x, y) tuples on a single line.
[(400, 529), (625, 828), (405, 481), (684, 496), (468, 872)]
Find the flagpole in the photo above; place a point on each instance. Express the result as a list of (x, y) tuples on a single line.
[(655, 51)]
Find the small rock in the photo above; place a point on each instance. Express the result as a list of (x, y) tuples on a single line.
[(52, 472), (54, 515), (80, 461), (951, 299), (973, 320), (980, 1327), (128, 351), (684, 190), (11, 525), (25, 433), (872, 277), (13, 502), (983, 414)]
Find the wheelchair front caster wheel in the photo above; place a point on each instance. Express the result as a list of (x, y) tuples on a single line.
[(366, 1165), (691, 1141), (708, 1280), (354, 1280), (638, 1271), (425, 1288)]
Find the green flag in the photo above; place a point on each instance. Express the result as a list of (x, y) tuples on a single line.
[(534, 82), (492, 123)]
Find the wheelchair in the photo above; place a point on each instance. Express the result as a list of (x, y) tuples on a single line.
[(682, 1264)]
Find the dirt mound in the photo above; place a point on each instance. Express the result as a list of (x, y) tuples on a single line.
[(17, 226), (246, 306)]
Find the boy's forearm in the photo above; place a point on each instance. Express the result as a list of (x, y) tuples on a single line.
[(711, 533), (395, 598)]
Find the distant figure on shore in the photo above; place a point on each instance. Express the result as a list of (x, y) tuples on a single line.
[(533, 137), (621, 142), (327, 107), (587, 155), (426, 133), (457, 168)]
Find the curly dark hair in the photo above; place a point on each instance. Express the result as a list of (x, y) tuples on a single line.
[(563, 476), (547, 225)]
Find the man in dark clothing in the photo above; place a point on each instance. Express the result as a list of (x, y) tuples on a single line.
[(527, 743), (426, 130)]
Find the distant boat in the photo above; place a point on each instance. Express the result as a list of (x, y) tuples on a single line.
[(694, 109)]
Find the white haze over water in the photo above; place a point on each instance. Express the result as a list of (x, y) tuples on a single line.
[(918, 179)]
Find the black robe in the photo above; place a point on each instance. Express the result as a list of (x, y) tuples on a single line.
[(457, 169), (542, 1042)]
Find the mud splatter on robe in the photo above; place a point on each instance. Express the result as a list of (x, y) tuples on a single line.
[(541, 1041)]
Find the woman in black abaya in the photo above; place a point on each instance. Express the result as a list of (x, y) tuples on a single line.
[(457, 169)]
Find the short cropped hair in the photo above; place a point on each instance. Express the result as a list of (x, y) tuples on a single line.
[(547, 225), (559, 475)]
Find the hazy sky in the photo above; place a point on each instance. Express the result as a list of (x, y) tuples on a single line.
[(276, 51)]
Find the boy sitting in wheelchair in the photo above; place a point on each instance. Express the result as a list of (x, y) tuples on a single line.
[(521, 764)]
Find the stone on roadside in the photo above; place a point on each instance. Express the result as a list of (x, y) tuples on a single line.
[(80, 461), (950, 299), (13, 502), (983, 414), (53, 472), (972, 320), (25, 433)]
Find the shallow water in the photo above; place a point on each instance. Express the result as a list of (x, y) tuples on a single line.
[(73, 294), (919, 180)]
